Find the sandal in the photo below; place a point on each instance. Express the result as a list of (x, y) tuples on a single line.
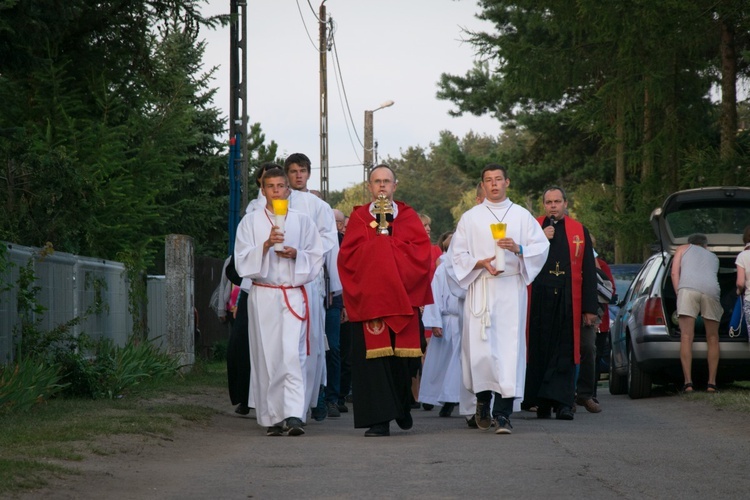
[(712, 389), (688, 387)]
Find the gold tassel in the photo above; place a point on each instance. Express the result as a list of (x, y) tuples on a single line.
[(403, 352), (379, 353)]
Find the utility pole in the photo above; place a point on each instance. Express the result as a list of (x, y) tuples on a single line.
[(323, 49), (368, 153), (237, 116), (369, 149)]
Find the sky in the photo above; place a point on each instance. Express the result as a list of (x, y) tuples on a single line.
[(386, 50)]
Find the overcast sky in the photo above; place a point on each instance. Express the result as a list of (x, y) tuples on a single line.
[(387, 50)]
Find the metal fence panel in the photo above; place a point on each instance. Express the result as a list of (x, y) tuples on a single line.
[(69, 287)]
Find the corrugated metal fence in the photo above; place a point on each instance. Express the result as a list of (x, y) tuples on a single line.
[(70, 286)]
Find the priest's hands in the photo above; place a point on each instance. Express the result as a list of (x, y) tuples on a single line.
[(437, 332), (590, 319), (549, 232)]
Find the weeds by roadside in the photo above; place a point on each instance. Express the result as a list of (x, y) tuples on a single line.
[(35, 446)]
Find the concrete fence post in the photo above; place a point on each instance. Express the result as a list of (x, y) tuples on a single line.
[(180, 299)]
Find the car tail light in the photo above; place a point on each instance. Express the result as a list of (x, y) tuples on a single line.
[(653, 313)]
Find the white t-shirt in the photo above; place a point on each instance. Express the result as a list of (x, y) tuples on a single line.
[(743, 261)]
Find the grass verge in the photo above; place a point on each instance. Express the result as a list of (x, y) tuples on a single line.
[(733, 397), (35, 445)]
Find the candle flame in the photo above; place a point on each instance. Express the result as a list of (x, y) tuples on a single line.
[(280, 207), (498, 230)]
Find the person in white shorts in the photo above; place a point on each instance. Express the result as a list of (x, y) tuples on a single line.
[(695, 277)]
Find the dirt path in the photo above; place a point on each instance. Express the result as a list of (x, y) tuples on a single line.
[(661, 447)]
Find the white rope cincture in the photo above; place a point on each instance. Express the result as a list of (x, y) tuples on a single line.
[(484, 313), (485, 321)]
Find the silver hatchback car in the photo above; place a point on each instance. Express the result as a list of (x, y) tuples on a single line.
[(645, 335)]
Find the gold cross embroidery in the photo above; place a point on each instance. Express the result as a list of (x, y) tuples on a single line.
[(577, 242), (557, 271)]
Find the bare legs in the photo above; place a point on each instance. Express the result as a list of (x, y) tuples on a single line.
[(687, 329), (687, 332), (712, 342)]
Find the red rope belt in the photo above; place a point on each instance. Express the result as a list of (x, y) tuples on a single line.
[(306, 317)]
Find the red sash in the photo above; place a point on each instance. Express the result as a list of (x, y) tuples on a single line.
[(576, 247), (306, 317)]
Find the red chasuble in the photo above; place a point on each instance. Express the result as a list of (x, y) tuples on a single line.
[(576, 247), (386, 279)]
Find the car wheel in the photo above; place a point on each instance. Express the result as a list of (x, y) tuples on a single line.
[(618, 384), (639, 382)]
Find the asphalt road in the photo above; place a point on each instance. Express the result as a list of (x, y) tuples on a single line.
[(662, 447)]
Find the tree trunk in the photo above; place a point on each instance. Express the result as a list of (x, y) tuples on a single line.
[(619, 174), (647, 166), (728, 118)]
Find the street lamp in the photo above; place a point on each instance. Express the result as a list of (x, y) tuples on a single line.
[(368, 164)]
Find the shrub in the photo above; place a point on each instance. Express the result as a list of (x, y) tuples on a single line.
[(26, 383), (108, 370)]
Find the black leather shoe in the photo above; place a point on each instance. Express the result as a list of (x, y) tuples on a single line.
[(242, 409), (543, 412), (378, 430), (406, 421), (447, 409), (564, 413)]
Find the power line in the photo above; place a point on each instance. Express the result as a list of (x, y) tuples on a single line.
[(345, 101), (305, 25), (312, 9)]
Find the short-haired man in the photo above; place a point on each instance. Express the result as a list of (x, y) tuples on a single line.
[(384, 265), (695, 277), (321, 293), (563, 298), (494, 328), (278, 308)]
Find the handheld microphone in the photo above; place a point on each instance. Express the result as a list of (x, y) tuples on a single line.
[(552, 219)]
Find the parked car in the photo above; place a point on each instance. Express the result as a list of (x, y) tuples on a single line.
[(624, 274), (645, 336)]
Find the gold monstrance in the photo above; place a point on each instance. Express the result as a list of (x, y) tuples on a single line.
[(383, 207)]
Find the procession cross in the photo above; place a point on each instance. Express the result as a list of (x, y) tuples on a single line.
[(382, 208)]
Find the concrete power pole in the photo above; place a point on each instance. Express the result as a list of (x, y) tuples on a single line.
[(323, 103), (367, 164), (238, 90)]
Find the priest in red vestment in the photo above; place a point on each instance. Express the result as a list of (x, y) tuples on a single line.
[(384, 264)]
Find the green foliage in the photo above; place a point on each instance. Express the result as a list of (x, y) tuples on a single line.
[(27, 383), (608, 93), (58, 361), (107, 371)]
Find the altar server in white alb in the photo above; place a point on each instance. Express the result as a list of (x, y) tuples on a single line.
[(441, 372), (279, 263), (493, 344), (297, 167)]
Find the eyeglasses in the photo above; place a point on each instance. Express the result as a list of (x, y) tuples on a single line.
[(381, 182)]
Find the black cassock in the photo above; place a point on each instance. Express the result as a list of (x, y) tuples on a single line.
[(551, 369), (238, 348)]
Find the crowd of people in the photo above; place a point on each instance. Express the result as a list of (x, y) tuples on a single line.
[(328, 309)]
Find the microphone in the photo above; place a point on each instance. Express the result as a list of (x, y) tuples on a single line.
[(552, 219)]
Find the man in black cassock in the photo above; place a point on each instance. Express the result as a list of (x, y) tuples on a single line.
[(563, 299)]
